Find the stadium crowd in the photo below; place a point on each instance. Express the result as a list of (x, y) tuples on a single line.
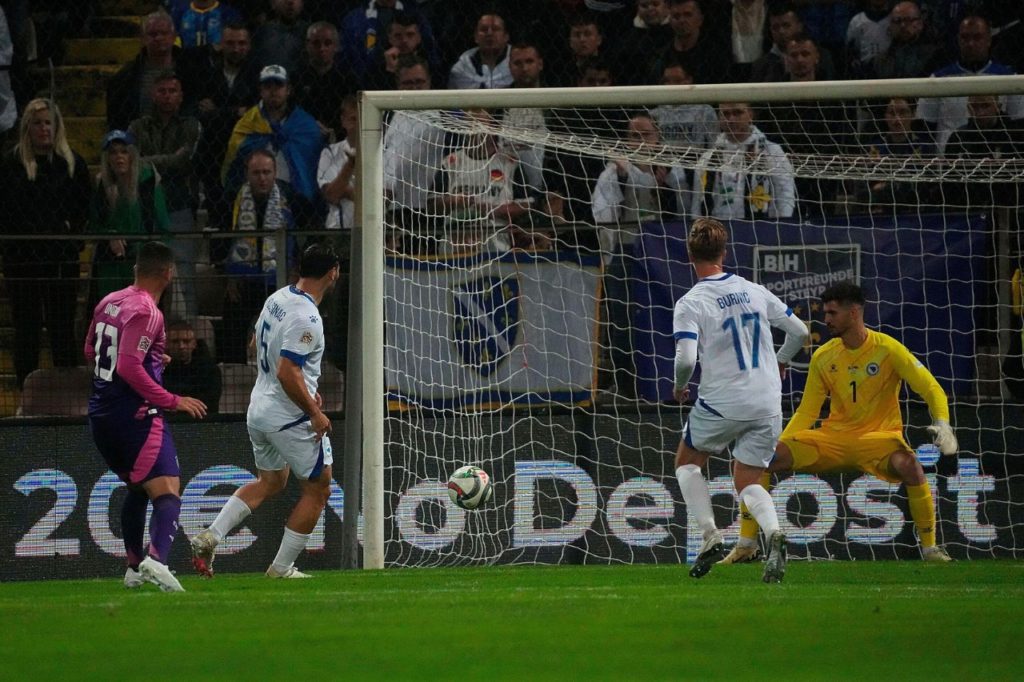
[(238, 116)]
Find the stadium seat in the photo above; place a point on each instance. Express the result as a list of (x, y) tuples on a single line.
[(59, 392), (332, 387), (237, 381)]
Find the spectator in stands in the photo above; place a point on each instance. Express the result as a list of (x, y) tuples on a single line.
[(192, 370), (649, 35), (527, 68), (569, 177), (282, 39), (44, 189), (366, 35), (404, 38), (481, 192), (230, 86), (743, 175), (129, 90), (810, 127), (707, 61), (684, 124), (946, 114), (287, 131), (412, 153), (911, 53), (989, 134), (167, 141), (584, 42), (868, 35), (750, 39), (336, 173), (263, 203), (128, 200), (201, 22), (321, 85), (903, 136), (626, 194), (486, 65), (785, 24)]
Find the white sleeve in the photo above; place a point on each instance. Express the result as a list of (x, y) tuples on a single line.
[(607, 196), (685, 362), (796, 335), (300, 337)]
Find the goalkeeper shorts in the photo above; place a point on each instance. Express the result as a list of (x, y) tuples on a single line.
[(821, 451)]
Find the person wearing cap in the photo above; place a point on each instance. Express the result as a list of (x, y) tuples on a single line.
[(44, 189), (127, 200), (285, 130)]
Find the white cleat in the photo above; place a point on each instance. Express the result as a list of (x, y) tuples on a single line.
[(935, 553), (133, 579), (742, 554), (292, 572), (158, 574), (203, 548)]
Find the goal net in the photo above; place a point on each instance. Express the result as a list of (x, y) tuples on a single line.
[(522, 252)]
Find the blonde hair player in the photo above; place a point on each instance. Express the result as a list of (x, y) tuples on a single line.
[(724, 319), (861, 371)]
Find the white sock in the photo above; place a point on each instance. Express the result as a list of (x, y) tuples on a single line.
[(292, 545), (696, 496), (761, 507), (233, 513)]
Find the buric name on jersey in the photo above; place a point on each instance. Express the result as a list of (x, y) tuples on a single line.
[(732, 299)]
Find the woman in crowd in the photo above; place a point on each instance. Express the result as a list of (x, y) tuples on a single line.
[(128, 200), (45, 190)]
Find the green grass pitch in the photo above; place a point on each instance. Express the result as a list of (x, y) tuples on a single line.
[(828, 620)]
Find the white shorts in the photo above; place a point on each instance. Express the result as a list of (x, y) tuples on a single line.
[(755, 440), (295, 447)]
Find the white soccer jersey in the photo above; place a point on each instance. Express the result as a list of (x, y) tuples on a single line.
[(730, 319), (289, 326)]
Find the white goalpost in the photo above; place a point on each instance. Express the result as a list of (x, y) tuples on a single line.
[(517, 252)]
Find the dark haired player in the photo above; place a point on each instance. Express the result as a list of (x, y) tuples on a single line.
[(861, 371), (125, 345), (286, 426)]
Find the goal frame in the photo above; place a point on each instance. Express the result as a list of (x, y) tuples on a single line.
[(365, 404)]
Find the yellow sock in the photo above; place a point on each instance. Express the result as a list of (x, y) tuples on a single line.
[(922, 510), (748, 524)]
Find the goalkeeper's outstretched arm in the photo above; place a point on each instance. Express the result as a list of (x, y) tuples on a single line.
[(924, 384)]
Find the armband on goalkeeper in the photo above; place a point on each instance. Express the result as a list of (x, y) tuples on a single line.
[(943, 437)]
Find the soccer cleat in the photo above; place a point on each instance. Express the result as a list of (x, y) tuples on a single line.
[(158, 574), (775, 565), (742, 554), (710, 552), (935, 553), (133, 579), (292, 572), (203, 547)]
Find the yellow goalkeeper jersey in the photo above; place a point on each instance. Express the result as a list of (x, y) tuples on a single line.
[(864, 386)]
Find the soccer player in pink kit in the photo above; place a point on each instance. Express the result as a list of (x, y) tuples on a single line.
[(125, 345)]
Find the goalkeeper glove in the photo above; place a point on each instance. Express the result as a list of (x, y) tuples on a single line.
[(942, 436)]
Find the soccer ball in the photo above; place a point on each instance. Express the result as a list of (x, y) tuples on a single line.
[(469, 487)]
